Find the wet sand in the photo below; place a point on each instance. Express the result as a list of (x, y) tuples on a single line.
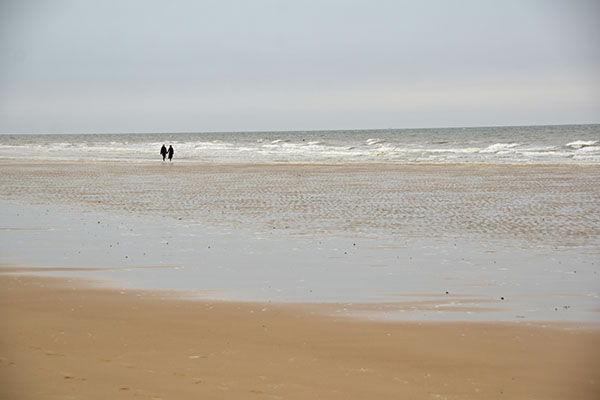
[(514, 241), (64, 340), (536, 204)]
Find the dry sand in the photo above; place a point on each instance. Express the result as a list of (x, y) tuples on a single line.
[(62, 339)]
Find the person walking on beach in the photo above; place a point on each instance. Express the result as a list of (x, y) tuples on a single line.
[(171, 152), (163, 152)]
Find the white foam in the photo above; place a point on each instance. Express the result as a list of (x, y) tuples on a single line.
[(589, 149), (371, 142), (578, 144), (495, 148), (502, 145)]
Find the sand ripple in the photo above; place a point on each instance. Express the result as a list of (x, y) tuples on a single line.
[(552, 204)]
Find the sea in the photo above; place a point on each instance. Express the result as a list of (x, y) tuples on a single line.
[(553, 144)]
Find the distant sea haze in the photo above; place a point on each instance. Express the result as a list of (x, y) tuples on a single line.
[(558, 144)]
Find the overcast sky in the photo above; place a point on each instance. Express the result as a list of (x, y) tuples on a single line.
[(224, 65)]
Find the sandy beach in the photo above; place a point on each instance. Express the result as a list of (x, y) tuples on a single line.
[(66, 340), (485, 275)]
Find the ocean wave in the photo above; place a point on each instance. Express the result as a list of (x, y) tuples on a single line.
[(578, 144), (589, 150), (373, 141), (509, 145), (498, 147)]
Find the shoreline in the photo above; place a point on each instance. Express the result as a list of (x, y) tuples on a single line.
[(66, 339), (375, 311), (239, 164)]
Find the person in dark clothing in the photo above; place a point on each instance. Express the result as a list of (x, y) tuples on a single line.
[(163, 152), (171, 152)]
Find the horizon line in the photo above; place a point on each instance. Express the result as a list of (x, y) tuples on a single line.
[(297, 130)]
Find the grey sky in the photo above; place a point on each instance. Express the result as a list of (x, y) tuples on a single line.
[(155, 66)]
